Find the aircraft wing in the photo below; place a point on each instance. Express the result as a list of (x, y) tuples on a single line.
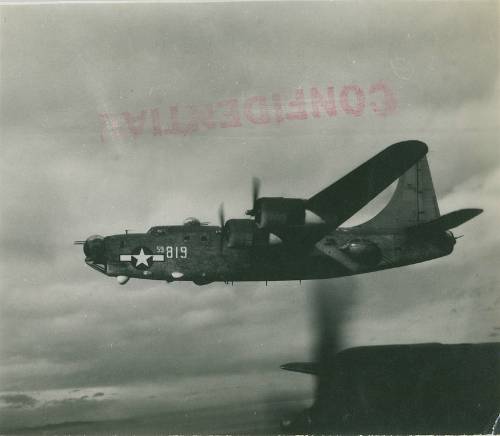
[(341, 200), (299, 236)]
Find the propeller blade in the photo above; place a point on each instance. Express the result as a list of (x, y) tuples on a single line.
[(255, 196), (330, 306), (221, 215), (255, 190), (222, 221), (78, 242)]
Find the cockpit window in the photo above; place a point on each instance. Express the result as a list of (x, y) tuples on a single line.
[(159, 232)]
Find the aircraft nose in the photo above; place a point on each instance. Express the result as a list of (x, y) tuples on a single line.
[(94, 249)]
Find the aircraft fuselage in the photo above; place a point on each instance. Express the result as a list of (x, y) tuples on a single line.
[(197, 254)]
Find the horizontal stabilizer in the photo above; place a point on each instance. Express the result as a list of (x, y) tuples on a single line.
[(446, 222), (341, 200), (303, 367)]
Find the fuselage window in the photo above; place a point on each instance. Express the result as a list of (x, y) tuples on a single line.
[(204, 238), (186, 238)]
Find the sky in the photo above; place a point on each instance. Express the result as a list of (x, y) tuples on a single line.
[(150, 356)]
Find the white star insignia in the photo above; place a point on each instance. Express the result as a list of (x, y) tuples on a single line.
[(142, 258)]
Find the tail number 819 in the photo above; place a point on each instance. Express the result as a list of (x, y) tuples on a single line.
[(173, 251)]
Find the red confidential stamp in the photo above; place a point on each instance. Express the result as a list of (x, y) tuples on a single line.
[(259, 110)]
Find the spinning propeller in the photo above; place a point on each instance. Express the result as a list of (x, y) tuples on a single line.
[(222, 222), (255, 196), (250, 212)]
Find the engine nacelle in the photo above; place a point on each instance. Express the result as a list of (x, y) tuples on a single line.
[(363, 251), (278, 212), (239, 233)]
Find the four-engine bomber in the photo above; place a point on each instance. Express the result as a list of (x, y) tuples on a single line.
[(279, 243)]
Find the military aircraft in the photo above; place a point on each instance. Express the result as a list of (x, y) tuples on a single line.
[(403, 389), (278, 243), (419, 388)]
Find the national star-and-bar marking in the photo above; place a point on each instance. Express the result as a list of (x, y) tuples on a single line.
[(128, 257), (142, 258)]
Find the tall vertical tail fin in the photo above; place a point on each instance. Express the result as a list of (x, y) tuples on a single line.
[(413, 202)]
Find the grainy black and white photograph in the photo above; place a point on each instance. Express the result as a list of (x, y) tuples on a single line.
[(250, 218)]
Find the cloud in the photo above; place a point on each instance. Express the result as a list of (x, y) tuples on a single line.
[(160, 340), (18, 400)]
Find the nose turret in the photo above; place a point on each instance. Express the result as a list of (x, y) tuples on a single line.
[(94, 249)]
